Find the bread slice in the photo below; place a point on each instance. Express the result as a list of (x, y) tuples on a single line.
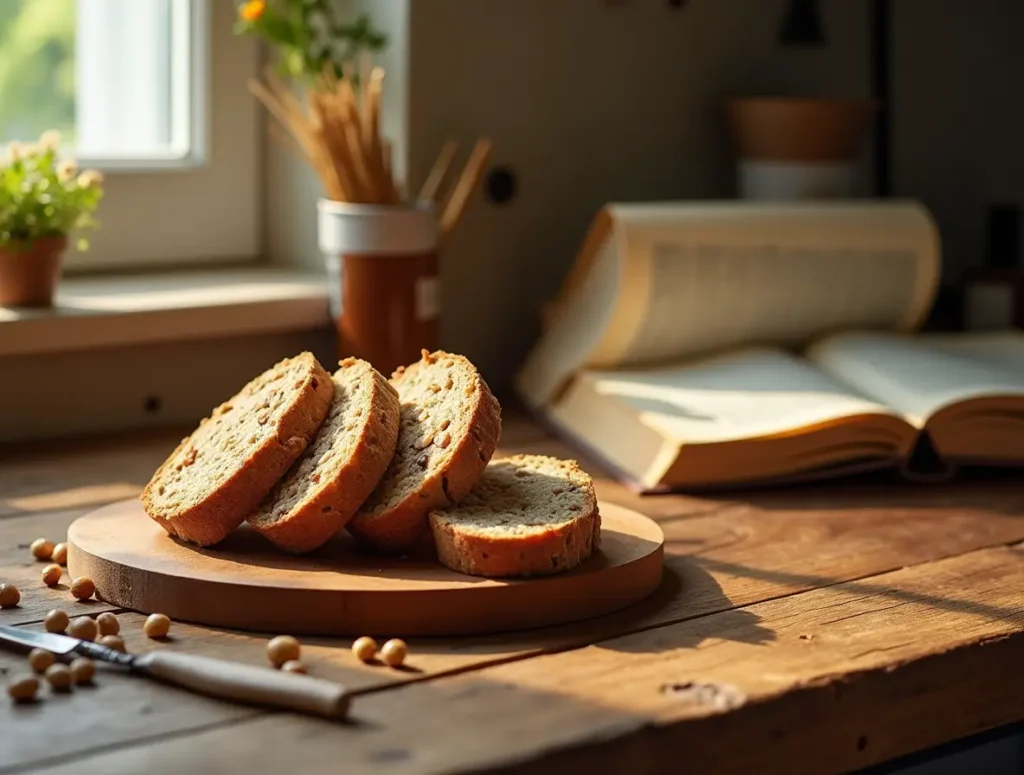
[(340, 468), (529, 515), (450, 424), (218, 475)]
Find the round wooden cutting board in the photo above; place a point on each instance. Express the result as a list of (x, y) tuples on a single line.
[(245, 583)]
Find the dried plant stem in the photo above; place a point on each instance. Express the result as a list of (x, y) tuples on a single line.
[(337, 130), (432, 185), (468, 180)]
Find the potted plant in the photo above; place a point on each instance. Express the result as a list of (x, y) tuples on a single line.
[(380, 247), (42, 201)]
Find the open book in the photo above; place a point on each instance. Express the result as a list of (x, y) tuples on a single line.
[(702, 345)]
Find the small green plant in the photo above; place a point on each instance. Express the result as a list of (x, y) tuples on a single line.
[(44, 196), (308, 34)]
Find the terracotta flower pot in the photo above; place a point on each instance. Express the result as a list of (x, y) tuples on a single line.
[(29, 272), (798, 148)]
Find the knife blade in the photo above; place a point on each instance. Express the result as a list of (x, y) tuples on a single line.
[(218, 678), (62, 646)]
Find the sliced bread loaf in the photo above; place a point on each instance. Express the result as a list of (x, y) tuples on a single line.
[(218, 475), (340, 468), (450, 424), (529, 515)]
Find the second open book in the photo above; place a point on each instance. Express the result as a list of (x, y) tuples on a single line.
[(724, 344)]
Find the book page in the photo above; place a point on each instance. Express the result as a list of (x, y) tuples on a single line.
[(702, 278), (747, 394), (577, 326), (913, 376), (1003, 349), (658, 283)]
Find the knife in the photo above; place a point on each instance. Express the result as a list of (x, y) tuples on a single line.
[(203, 675)]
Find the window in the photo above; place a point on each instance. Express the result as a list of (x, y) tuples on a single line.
[(153, 93), (118, 78)]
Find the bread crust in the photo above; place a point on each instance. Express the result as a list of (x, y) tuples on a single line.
[(405, 527), (538, 553), (310, 524), (224, 508)]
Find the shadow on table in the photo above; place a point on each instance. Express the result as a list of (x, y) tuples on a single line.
[(687, 592), (684, 620), (867, 587)]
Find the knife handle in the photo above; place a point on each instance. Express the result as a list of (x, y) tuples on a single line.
[(246, 683)]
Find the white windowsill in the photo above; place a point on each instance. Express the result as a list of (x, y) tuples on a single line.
[(120, 310)]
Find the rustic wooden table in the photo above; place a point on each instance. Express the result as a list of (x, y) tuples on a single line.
[(811, 630)]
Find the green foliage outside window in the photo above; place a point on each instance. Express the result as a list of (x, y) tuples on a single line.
[(37, 68)]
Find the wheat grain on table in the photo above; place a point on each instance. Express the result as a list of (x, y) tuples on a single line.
[(815, 630)]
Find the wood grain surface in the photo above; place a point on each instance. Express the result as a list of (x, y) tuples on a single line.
[(812, 630)]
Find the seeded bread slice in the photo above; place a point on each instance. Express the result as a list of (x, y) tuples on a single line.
[(450, 424), (529, 515), (218, 475), (340, 468)]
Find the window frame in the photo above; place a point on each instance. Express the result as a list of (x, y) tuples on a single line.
[(191, 92), (203, 207)]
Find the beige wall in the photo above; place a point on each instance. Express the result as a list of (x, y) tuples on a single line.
[(587, 101), (591, 100)]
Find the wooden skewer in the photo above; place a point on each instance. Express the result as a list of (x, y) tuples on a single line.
[(285, 95), (329, 77), (372, 139), (328, 134), (296, 125), (337, 130), (332, 174), (364, 79), (468, 180), (432, 185), (359, 163), (350, 109)]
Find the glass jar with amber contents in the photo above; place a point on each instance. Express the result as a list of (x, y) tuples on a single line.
[(383, 272)]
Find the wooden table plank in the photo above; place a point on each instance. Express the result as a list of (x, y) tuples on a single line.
[(828, 680), (722, 552), (81, 473), (325, 657), (19, 567)]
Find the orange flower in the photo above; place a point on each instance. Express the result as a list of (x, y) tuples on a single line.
[(253, 10)]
